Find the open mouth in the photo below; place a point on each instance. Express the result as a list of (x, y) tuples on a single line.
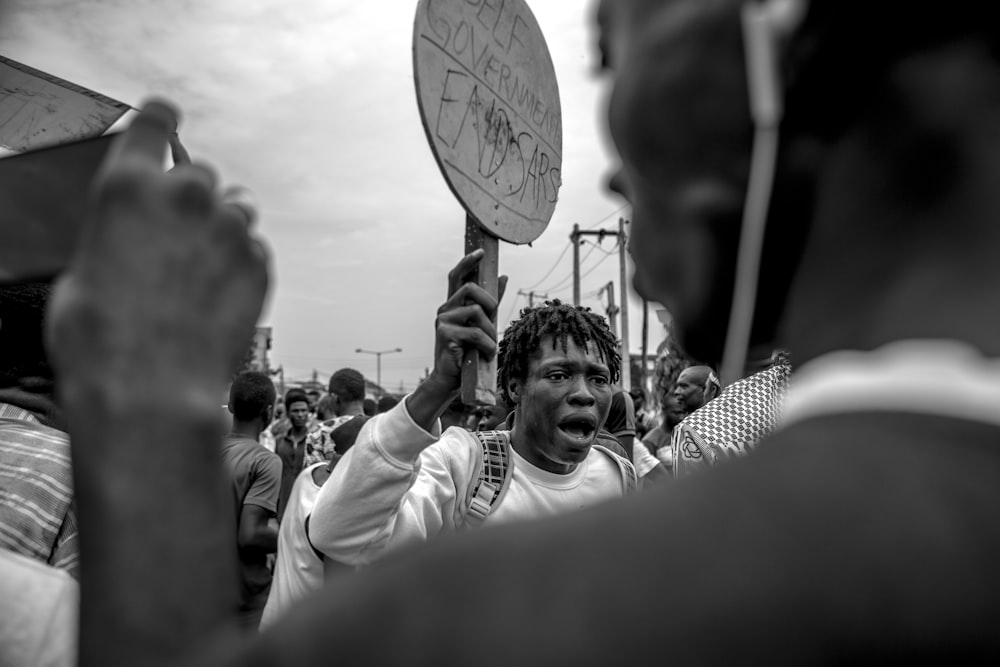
[(579, 428)]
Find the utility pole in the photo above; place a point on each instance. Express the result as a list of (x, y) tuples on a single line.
[(626, 357), (612, 309), (575, 238), (645, 345), (280, 372), (531, 296), (378, 362), (626, 374)]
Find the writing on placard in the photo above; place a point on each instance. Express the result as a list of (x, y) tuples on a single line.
[(492, 109)]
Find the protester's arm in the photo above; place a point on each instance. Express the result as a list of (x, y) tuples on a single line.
[(646, 464), (384, 491), (259, 506), (255, 531), (393, 487), (155, 311), (464, 322)]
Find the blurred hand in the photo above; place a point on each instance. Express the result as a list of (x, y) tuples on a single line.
[(178, 153), (167, 283)]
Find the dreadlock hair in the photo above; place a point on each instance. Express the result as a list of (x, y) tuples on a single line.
[(564, 323)]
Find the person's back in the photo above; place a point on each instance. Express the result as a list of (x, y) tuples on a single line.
[(344, 402), (248, 465), (299, 567), (298, 571), (37, 512), (254, 475)]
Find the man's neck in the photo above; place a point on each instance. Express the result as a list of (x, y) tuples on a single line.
[(352, 409), (524, 444), (298, 432), (250, 430), (877, 271)]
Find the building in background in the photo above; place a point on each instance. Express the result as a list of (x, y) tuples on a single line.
[(260, 351)]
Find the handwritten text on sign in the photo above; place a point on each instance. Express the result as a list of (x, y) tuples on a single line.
[(490, 105)]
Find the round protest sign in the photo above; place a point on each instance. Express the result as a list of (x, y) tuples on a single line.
[(489, 103)]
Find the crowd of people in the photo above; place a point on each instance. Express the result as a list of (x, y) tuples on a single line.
[(861, 528)]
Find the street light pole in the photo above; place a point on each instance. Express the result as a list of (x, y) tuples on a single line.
[(378, 361)]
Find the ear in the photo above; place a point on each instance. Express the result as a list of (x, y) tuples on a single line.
[(711, 391), (514, 390)]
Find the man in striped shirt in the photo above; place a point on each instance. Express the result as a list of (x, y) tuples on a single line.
[(37, 516)]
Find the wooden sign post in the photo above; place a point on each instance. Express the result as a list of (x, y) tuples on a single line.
[(489, 103)]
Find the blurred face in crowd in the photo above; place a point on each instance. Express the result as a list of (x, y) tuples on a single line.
[(298, 413), (679, 117), (490, 418), (690, 389), (562, 402)]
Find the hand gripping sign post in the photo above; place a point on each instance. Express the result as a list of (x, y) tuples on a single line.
[(489, 102)]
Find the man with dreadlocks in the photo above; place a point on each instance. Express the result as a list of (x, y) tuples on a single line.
[(405, 482)]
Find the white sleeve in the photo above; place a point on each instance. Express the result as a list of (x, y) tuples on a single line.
[(395, 486), (644, 461)]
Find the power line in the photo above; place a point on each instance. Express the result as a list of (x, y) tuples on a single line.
[(594, 267), (609, 215), (560, 284), (513, 306), (569, 278), (598, 247), (556, 264)]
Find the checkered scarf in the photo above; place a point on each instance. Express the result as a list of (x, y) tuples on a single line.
[(732, 424), (320, 446)]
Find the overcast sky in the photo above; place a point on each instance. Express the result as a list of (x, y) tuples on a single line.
[(311, 104)]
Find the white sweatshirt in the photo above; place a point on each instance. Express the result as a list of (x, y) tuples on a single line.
[(298, 571), (400, 485)]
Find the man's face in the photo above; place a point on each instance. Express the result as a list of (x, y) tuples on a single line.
[(690, 390), (298, 414), (489, 418), (679, 116), (313, 398), (562, 402)]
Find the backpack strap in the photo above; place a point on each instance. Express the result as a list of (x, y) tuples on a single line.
[(494, 476), (630, 481), (319, 554)]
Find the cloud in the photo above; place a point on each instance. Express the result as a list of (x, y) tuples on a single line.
[(312, 105)]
